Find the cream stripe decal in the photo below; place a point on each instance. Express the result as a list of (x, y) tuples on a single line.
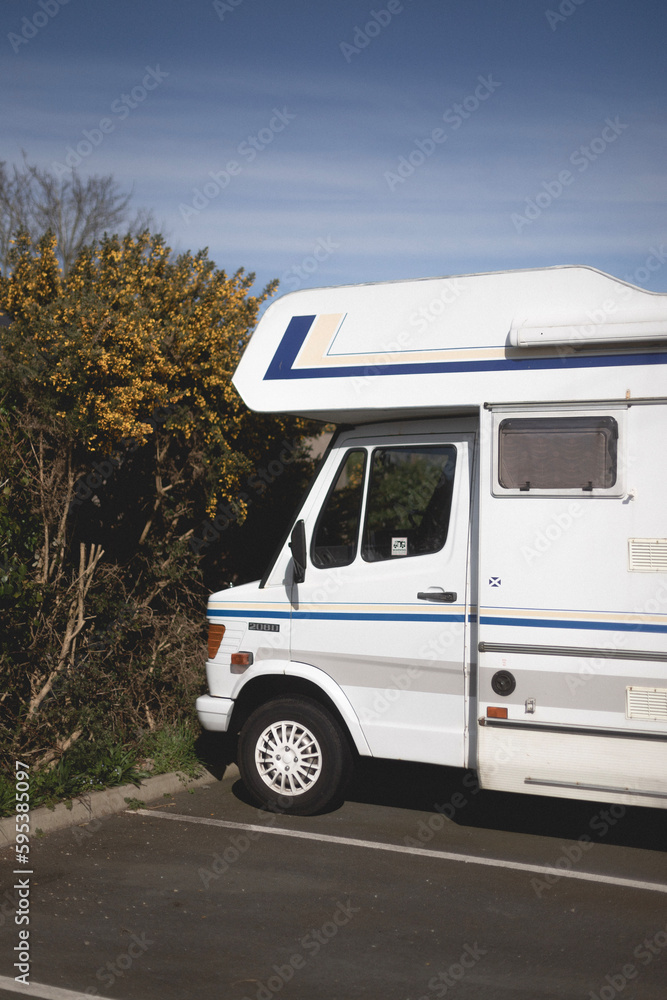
[(317, 350), (333, 608), (561, 616), (319, 340), (308, 358)]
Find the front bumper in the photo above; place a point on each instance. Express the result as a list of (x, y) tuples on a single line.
[(214, 713)]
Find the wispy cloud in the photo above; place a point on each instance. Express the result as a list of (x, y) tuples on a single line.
[(325, 175)]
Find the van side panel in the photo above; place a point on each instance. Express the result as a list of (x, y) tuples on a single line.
[(573, 605)]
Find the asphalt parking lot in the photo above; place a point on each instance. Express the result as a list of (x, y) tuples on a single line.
[(418, 886)]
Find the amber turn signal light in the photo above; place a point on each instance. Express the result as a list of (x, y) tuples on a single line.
[(241, 659), (215, 634)]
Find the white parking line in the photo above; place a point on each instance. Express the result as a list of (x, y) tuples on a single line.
[(47, 992), (423, 852)]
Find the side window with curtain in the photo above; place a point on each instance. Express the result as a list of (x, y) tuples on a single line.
[(337, 530), (557, 453), (409, 501)]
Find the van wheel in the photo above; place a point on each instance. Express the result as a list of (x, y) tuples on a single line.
[(294, 757)]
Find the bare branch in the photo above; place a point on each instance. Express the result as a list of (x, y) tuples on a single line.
[(76, 620), (77, 211)]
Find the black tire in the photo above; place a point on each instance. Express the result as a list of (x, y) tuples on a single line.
[(294, 757)]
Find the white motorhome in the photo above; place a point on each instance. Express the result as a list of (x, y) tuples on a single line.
[(477, 576)]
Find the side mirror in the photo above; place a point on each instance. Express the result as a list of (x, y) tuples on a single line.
[(297, 544)]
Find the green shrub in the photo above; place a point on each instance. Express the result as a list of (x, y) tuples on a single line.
[(172, 748)]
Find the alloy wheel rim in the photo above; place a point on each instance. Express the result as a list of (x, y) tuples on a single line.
[(288, 758)]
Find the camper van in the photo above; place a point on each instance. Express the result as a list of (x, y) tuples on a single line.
[(477, 576)]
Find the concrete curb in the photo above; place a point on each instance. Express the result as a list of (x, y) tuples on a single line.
[(105, 803)]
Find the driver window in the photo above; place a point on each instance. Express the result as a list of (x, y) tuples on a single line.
[(337, 529), (409, 501)]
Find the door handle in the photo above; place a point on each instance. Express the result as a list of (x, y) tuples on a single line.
[(444, 596)]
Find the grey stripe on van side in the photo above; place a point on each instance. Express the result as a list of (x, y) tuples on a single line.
[(580, 651)]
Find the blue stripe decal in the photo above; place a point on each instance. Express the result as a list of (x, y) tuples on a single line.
[(347, 616), (290, 345), (246, 613), (560, 623), (361, 616), (297, 331)]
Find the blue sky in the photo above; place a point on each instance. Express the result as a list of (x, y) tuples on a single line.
[(357, 141)]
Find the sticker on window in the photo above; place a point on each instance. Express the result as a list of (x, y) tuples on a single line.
[(399, 546)]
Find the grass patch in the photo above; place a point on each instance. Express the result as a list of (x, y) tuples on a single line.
[(135, 803), (89, 767), (173, 749)]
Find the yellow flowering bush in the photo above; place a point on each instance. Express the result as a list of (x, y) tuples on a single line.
[(122, 440), (131, 331)]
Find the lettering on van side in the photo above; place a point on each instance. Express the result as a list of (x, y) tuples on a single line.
[(263, 627)]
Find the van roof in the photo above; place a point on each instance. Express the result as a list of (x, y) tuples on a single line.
[(356, 353)]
